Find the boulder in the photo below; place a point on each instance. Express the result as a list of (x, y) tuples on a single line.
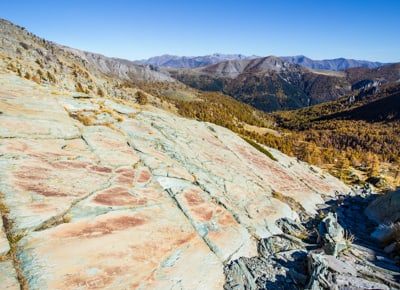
[(279, 243), (290, 227), (331, 235)]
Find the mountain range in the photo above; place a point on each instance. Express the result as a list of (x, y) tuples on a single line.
[(174, 61), (331, 64), (272, 84)]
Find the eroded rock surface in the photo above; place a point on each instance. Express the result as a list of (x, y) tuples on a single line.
[(142, 199)]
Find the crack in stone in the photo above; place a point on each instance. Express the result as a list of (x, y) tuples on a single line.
[(204, 238), (12, 241), (60, 219)]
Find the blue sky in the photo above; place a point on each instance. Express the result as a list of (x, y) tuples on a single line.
[(320, 29)]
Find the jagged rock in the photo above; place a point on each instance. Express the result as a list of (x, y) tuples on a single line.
[(327, 272), (279, 243), (320, 276), (290, 227), (331, 235)]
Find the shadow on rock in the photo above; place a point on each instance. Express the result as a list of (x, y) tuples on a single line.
[(333, 250)]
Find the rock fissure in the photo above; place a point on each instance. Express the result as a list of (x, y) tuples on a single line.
[(176, 202), (63, 217), (12, 239)]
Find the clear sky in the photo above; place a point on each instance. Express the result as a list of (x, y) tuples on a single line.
[(319, 29)]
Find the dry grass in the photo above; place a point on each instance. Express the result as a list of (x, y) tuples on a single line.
[(349, 238), (291, 202), (85, 120), (66, 218), (260, 130)]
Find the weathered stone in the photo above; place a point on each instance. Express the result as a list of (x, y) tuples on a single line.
[(4, 245), (331, 234), (111, 147), (36, 117), (37, 190), (320, 277), (133, 204), (216, 225), (339, 266), (290, 227), (395, 246), (118, 250), (279, 243), (120, 108), (8, 276)]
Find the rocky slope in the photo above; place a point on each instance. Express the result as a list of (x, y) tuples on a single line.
[(46, 62), (134, 198)]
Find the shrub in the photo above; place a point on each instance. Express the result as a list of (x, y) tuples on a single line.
[(100, 92), (141, 98), (36, 79)]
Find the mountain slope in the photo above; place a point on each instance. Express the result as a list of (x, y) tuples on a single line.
[(272, 84), (43, 61), (269, 83)]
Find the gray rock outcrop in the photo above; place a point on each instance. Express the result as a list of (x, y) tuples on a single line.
[(331, 235)]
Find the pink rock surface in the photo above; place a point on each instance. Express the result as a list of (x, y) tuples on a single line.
[(145, 249), (159, 203)]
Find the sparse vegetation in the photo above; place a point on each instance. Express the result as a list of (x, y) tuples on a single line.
[(141, 98), (260, 148), (291, 202), (100, 92)]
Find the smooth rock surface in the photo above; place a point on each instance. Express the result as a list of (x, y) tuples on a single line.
[(147, 200), (8, 277), (4, 245)]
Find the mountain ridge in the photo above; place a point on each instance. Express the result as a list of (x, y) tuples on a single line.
[(272, 84), (336, 64)]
